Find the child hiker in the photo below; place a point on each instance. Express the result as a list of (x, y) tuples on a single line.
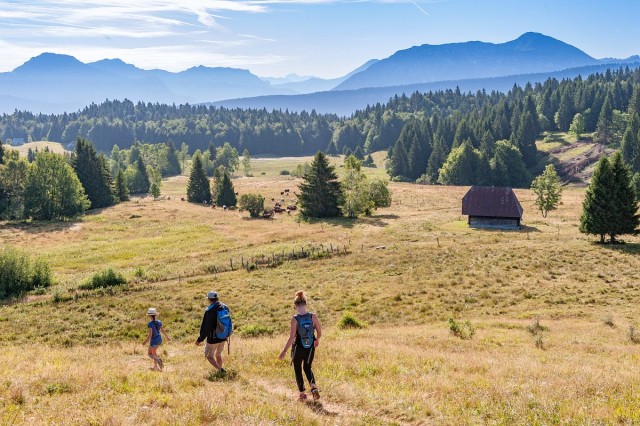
[(304, 342), (155, 339)]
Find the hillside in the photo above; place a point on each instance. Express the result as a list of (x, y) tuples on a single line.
[(23, 149), (529, 53), (408, 269)]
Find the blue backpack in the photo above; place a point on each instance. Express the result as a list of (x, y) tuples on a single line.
[(306, 330), (225, 325)]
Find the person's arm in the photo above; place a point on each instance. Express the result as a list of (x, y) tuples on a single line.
[(165, 333), (148, 337), (205, 327), (318, 327), (292, 337)]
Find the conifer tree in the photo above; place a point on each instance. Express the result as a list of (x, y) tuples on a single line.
[(320, 191), (605, 121), (140, 182), (610, 206), (596, 207), (527, 139), (173, 163), (121, 189), (507, 166), (437, 158), (631, 145), (226, 193), (94, 174), (625, 207), (1, 153), (198, 188)]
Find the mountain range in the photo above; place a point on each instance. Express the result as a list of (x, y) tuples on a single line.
[(55, 83)]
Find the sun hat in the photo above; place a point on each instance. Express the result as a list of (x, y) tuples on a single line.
[(152, 311), (212, 295)]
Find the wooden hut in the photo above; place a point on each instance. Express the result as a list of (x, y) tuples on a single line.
[(493, 207)]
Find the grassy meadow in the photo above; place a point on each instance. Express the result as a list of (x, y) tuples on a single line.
[(554, 316)]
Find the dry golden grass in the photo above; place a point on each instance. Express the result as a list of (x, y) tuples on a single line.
[(410, 267), (41, 145)]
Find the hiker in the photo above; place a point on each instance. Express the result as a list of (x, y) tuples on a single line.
[(305, 342), (155, 339), (216, 328)]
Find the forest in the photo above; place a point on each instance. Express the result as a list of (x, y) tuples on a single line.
[(445, 137)]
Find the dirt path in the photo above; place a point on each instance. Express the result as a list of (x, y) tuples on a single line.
[(576, 169), (340, 413)]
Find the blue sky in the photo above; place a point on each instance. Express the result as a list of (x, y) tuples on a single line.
[(327, 38)]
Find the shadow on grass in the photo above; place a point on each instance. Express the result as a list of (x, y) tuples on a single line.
[(39, 226), (526, 228), (628, 248), (346, 222), (318, 408), (227, 376)]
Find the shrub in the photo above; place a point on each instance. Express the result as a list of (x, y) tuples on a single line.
[(107, 278), (18, 275), (463, 331), (632, 334), (253, 203), (256, 330), (536, 328), (348, 320), (285, 172)]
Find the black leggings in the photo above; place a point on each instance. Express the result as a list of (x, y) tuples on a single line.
[(302, 359)]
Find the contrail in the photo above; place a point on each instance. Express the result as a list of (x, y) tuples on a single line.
[(420, 8)]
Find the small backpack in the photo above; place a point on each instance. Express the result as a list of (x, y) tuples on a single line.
[(224, 327), (306, 330)]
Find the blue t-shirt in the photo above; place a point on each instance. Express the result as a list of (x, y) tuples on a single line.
[(156, 338)]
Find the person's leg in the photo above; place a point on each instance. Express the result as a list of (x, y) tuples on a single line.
[(209, 353), (153, 356), (307, 361), (218, 351), (297, 368)]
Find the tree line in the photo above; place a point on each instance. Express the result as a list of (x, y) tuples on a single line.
[(443, 137)]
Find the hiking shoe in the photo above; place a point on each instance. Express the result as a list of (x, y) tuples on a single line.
[(222, 372), (315, 393), (302, 397)]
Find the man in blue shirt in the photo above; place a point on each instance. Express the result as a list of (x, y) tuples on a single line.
[(210, 330)]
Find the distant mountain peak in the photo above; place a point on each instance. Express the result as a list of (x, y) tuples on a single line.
[(48, 60)]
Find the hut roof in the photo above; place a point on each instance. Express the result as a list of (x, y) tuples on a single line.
[(491, 201)]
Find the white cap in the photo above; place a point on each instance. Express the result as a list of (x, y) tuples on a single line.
[(212, 295), (152, 311)]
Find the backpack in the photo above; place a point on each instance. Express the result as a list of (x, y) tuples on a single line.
[(224, 328), (306, 330)]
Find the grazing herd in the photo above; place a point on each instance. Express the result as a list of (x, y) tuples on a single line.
[(278, 206)]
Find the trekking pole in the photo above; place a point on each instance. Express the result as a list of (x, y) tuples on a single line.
[(229, 346)]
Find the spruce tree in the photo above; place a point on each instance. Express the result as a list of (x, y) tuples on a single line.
[(198, 188), (437, 158), (625, 206), (461, 167), (226, 193), (605, 121), (140, 183), (94, 174), (1, 153), (631, 145), (598, 201), (121, 190), (320, 191), (173, 163)]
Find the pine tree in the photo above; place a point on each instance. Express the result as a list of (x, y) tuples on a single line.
[(399, 160), (605, 121), (631, 145), (1, 153), (320, 191), (121, 190), (331, 149), (198, 188), (226, 193), (140, 182), (598, 204), (94, 174), (173, 163), (625, 206), (358, 153), (437, 158), (527, 139), (565, 112)]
